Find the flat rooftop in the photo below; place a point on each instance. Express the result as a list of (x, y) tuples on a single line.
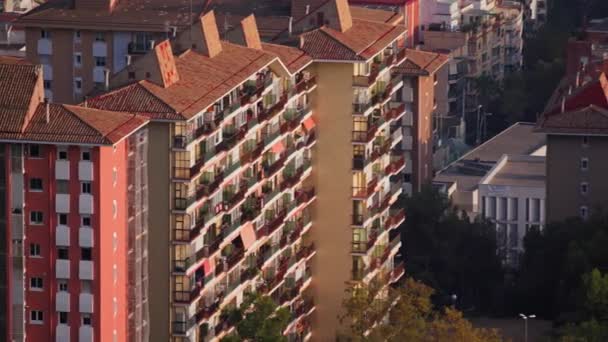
[(525, 171), (519, 139)]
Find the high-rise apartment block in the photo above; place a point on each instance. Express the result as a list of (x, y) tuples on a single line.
[(269, 166), (74, 189)]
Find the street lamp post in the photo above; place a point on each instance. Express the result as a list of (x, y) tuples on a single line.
[(525, 318)]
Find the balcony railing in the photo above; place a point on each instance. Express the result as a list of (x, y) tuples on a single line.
[(396, 164), (364, 192)]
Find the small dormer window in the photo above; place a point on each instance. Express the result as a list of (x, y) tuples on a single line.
[(45, 34)]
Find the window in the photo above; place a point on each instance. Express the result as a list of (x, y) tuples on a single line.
[(114, 208), (86, 319), (584, 188), (36, 283), (36, 217), (131, 75), (115, 176), (100, 61), (47, 84), (62, 155), (86, 254), (99, 37), (62, 219), (36, 317), (35, 184), (62, 253), (62, 285), (45, 34), (584, 212), (34, 250), (78, 83), (585, 141), (77, 36), (86, 221), (77, 59), (63, 317), (584, 164), (34, 151), (86, 187), (85, 155)]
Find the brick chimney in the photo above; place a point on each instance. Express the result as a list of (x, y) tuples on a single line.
[(166, 64), (203, 36), (248, 34), (345, 21)]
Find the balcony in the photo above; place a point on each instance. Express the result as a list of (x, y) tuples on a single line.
[(62, 236), (361, 108), (62, 269), (85, 303), (85, 237), (85, 333), (363, 247), (45, 46), (269, 113), (62, 170), (100, 49), (396, 165), (85, 270), (364, 192), (396, 217), (99, 74), (62, 333), (62, 203), (62, 301), (306, 84), (206, 188), (397, 272), (85, 204), (85, 170)]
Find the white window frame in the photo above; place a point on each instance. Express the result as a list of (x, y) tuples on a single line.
[(584, 164), (36, 284), (77, 59), (36, 317)]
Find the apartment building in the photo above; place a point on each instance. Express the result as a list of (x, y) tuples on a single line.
[(72, 228), (235, 123), (82, 43), (575, 124)]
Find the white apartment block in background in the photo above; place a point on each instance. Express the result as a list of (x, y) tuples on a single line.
[(512, 195)]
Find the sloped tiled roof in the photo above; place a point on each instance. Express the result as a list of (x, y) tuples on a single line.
[(77, 125), (204, 80), (293, 58), (421, 63), (136, 15), (17, 83), (378, 15), (360, 42), (587, 120), (135, 98)]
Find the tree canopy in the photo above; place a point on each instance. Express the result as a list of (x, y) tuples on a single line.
[(405, 314), (438, 243), (257, 319)]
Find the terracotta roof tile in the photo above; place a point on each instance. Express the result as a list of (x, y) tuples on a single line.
[(204, 80), (77, 125), (134, 98), (588, 120), (428, 61), (293, 58), (140, 15), (361, 42), (17, 83), (380, 16)]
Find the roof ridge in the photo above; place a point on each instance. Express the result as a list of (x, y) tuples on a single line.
[(139, 83), (104, 136), (323, 28)]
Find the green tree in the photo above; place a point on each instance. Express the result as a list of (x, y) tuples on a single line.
[(405, 314), (258, 319), (450, 253)]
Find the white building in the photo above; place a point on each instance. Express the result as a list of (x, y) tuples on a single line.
[(502, 180), (512, 195)]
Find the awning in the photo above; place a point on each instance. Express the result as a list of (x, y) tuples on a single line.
[(278, 148), (309, 123), (208, 266), (248, 235)]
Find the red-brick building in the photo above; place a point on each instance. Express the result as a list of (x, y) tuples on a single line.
[(68, 175)]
